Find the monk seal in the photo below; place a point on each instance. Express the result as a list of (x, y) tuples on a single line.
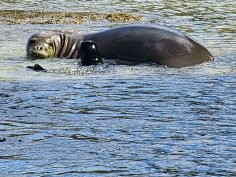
[(89, 53), (53, 45), (130, 43)]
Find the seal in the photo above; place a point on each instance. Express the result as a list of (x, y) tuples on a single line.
[(132, 44), (53, 45), (89, 53)]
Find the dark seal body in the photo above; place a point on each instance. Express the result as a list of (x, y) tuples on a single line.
[(131, 44), (149, 43)]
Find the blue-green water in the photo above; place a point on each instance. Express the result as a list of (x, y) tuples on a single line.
[(116, 120)]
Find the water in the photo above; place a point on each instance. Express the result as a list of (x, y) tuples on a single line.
[(114, 120)]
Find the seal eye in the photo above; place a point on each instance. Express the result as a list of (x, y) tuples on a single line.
[(32, 41), (50, 44)]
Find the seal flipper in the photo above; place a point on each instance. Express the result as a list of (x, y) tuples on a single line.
[(37, 67), (89, 53)]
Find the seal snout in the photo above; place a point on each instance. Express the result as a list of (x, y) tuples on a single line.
[(38, 48)]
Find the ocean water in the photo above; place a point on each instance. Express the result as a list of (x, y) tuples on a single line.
[(117, 120)]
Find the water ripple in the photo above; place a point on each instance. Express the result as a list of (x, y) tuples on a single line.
[(114, 120)]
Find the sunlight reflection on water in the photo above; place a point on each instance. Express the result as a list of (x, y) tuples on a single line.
[(114, 120)]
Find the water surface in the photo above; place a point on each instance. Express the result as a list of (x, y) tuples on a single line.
[(116, 120)]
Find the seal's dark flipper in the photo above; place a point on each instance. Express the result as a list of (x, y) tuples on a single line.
[(37, 67), (89, 53)]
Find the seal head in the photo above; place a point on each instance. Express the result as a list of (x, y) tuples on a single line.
[(42, 45), (53, 45)]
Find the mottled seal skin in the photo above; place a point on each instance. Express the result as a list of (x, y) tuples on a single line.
[(53, 45), (130, 43)]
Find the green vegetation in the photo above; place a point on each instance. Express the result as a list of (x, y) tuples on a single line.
[(48, 17)]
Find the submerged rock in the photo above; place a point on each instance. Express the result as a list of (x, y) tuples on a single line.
[(49, 17), (3, 139)]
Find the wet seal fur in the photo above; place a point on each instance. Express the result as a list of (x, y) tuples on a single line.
[(128, 44)]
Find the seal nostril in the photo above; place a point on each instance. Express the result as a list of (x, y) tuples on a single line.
[(38, 48)]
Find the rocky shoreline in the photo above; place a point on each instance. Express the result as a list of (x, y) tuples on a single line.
[(49, 17)]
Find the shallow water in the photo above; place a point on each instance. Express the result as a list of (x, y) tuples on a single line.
[(112, 120)]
